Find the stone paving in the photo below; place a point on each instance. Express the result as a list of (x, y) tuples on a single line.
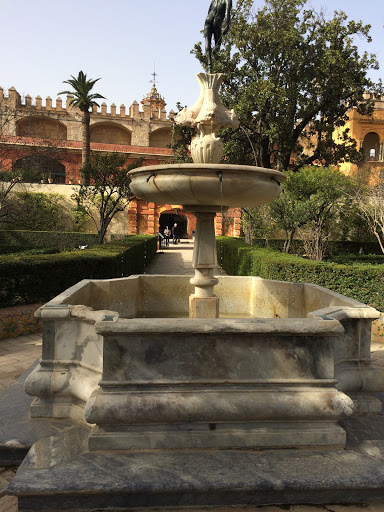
[(17, 355), (175, 260)]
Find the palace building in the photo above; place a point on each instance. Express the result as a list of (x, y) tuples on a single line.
[(48, 137), (368, 131)]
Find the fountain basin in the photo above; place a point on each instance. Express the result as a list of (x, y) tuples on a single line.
[(208, 185), (284, 356)]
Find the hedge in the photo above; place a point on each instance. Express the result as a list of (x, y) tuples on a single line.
[(28, 279), (334, 247), (360, 281), (12, 241)]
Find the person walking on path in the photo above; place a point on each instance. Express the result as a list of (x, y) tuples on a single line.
[(167, 234), (174, 234)]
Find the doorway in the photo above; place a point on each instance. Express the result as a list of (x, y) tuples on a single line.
[(170, 218)]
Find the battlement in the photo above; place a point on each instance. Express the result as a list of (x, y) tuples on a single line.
[(379, 100), (14, 101)]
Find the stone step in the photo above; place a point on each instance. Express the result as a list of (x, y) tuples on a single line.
[(49, 479)]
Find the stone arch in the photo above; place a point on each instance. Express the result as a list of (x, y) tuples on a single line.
[(228, 225), (371, 146), (160, 138), (167, 215), (41, 127), (40, 168), (110, 133)]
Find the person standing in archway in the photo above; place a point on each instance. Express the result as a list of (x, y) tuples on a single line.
[(174, 234), (216, 25)]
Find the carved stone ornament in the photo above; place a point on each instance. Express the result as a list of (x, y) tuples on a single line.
[(208, 115)]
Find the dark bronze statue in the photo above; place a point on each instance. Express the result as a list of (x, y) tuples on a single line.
[(216, 25)]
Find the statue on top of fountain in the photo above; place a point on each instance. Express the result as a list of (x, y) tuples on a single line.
[(209, 115), (216, 25)]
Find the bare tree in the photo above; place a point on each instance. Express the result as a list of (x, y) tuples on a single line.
[(29, 167), (369, 199)]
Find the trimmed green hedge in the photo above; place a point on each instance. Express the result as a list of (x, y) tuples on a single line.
[(360, 281), (15, 240), (335, 248), (26, 279)]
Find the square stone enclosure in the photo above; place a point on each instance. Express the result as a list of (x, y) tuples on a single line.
[(75, 322)]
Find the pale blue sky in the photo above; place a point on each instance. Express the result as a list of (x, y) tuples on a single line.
[(45, 41)]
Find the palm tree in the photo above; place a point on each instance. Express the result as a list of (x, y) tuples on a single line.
[(84, 101)]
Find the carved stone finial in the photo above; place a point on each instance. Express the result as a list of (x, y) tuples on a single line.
[(208, 115)]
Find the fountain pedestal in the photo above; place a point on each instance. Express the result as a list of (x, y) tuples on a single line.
[(204, 303)]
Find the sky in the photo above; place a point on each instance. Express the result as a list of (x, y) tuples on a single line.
[(123, 42)]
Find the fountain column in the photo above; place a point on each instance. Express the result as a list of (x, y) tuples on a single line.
[(208, 115), (204, 303)]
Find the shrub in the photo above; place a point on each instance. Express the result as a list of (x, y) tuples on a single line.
[(334, 247), (361, 281), (28, 279), (12, 241), (39, 212)]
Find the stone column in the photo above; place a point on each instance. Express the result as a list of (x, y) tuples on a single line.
[(204, 303), (381, 151)]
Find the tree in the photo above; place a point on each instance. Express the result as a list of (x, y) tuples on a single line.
[(84, 100), (9, 176), (369, 199), (108, 192), (38, 211), (35, 162), (181, 141), (311, 198), (292, 75), (257, 222)]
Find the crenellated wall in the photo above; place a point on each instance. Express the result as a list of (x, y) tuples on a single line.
[(53, 120)]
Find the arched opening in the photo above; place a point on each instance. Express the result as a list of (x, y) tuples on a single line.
[(371, 146), (41, 128), (110, 133), (40, 168), (169, 218), (228, 225), (160, 138)]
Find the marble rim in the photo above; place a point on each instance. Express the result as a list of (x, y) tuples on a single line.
[(176, 168)]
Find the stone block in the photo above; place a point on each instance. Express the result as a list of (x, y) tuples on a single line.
[(203, 307)]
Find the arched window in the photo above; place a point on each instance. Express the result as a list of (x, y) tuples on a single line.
[(42, 128), (160, 138), (110, 133), (371, 146), (40, 168)]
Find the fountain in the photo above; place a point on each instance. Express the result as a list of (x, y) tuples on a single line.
[(206, 186), (179, 409)]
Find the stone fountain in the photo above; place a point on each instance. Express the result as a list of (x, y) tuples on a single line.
[(206, 186), (178, 412)]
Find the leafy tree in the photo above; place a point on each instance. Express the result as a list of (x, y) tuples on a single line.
[(84, 100), (311, 198), (257, 222), (108, 192), (36, 211), (181, 141), (291, 75)]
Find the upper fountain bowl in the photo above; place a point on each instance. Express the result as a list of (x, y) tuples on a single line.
[(219, 185)]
